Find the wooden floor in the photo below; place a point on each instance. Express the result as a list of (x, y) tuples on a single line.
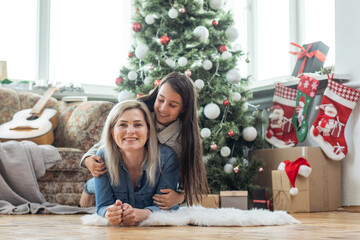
[(326, 225)]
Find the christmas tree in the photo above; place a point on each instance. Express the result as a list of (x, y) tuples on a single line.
[(195, 38)]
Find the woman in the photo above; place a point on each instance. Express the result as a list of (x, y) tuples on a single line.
[(137, 167), (174, 106)]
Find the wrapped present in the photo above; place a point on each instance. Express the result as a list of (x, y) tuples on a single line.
[(234, 199), (210, 201), (311, 58), (282, 198), (260, 199)]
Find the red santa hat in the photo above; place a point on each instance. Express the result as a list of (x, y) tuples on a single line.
[(292, 169), (323, 106), (275, 107)]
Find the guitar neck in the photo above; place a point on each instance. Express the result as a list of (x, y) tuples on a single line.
[(40, 105)]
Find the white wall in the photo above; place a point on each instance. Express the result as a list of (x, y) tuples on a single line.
[(347, 55)]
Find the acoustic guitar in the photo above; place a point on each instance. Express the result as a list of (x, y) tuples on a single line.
[(36, 124)]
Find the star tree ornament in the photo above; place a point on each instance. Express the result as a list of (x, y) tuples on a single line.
[(249, 134), (202, 33), (211, 111)]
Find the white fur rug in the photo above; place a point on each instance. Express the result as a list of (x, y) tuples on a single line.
[(200, 216)]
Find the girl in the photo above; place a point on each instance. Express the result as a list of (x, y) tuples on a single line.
[(174, 106)]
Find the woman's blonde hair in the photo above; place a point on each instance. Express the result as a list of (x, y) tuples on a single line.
[(112, 152)]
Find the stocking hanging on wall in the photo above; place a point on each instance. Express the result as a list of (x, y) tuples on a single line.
[(281, 132), (328, 129)]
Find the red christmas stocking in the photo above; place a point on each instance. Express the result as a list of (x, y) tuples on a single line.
[(281, 132), (328, 129)]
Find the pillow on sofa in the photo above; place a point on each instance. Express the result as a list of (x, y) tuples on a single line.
[(80, 126), (10, 104)]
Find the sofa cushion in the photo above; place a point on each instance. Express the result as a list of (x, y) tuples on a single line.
[(10, 104)]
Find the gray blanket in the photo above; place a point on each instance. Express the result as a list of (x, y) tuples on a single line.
[(21, 164)]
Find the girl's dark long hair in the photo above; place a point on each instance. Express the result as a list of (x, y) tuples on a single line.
[(192, 168)]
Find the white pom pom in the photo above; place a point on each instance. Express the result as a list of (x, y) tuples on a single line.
[(281, 166), (235, 96), (201, 32), (317, 107), (182, 61), (226, 55), (232, 33), (249, 134), (173, 13), (207, 64), (205, 132), (149, 19), (304, 171), (199, 84), (132, 75), (211, 111), (170, 62), (216, 4), (228, 168), (294, 191), (125, 95), (225, 151), (233, 76), (141, 51), (232, 160)]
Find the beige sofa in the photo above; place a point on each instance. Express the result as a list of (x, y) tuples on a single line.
[(79, 128)]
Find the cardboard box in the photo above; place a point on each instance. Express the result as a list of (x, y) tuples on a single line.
[(282, 198), (210, 201), (318, 51), (324, 180), (234, 199)]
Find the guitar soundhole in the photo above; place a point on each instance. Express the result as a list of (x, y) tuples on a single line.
[(32, 118)]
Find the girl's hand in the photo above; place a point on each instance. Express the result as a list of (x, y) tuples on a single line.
[(114, 213), (129, 217), (168, 199), (96, 165)]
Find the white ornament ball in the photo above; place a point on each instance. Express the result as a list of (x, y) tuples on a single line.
[(125, 95), (232, 160), (211, 111), (206, 158), (207, 64), (147, 80), (173, 13), (228, 168), (249, 134), (216, 4), (132, 75), (225, 151), (246, 162), (149, 19), (245, 107), (232, 33), (199, 84), (201, 32), (233, 76), (141, 51), (170, 62), (237, 47), (205, 132), (235, 96), (226, 55), (182, 61)]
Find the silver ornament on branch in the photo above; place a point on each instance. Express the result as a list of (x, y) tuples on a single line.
[(182, 61), (233, 76), (199, 84), (249, 134), (211, 111), (170, 62), (232, 33), (132, 75), (182, 10), (207, 64), (173, 13), (235, 96), (141, 51), (216, 4), (149, 19), (201, 32), (125, 95), (205, 132), (226, 55), (228, 168), (225, 151)]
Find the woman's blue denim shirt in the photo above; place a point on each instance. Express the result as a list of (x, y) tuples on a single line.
[(140, 197)]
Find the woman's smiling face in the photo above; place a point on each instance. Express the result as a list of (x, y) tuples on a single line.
[(168, 105)]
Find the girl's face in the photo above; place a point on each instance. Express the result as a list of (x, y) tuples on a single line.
[(168, 105), (130, 131)]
